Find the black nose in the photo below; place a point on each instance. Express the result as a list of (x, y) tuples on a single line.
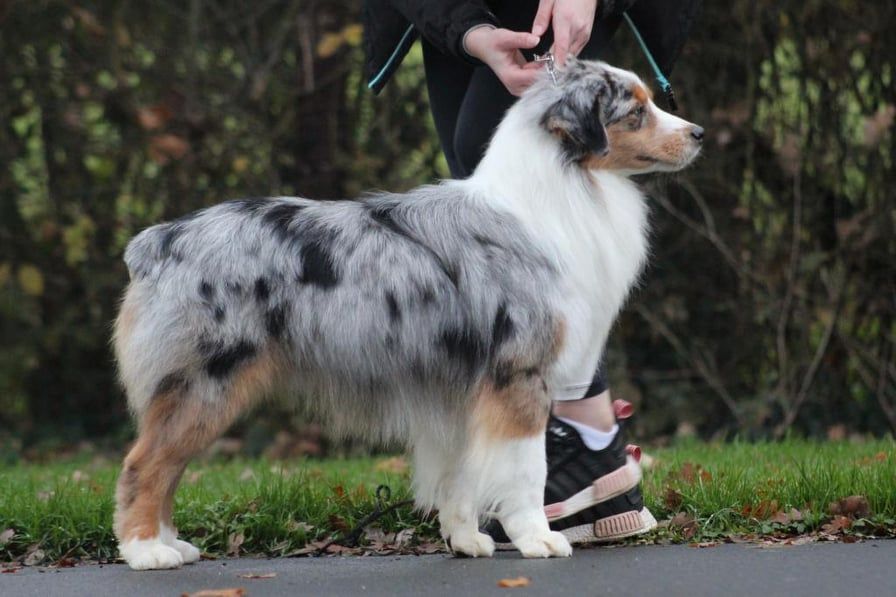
[(697, 133)]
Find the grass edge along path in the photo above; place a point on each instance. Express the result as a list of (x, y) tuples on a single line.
[(702, 493)]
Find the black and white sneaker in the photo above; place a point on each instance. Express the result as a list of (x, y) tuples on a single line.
[(590, 496)]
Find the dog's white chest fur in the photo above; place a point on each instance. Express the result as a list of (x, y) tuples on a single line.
[(593, 227), (607, 247)]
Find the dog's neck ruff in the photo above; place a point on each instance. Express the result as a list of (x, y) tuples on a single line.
[(591, 224)]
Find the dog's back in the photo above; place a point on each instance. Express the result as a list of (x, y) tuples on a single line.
[(390, 307)]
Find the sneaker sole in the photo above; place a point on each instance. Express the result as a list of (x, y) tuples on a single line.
[(612, 528), (607, 487), (605, 530)]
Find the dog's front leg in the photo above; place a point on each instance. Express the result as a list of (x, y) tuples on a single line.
[(521, 503), (459, 518)]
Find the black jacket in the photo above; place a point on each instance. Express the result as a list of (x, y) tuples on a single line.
[(392, 26)]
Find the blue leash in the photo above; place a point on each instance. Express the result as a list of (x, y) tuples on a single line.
[(661, 79)]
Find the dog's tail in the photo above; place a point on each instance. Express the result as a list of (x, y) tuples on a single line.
[(153, 246)]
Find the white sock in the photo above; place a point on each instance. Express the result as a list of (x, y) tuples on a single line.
[(595, 439)]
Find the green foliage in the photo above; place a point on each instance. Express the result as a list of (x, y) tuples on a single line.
[(769, 306), (764, 306), (261, 507)]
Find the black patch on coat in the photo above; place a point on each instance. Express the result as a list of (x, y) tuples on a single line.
[(502, 328), (580, 126), (171, 233), (394, 310), (427, 295), (382, 215), (262, 289), (463, 345), (220, 313), (485, 242), (172, 382), (221, 360), (250, 205), (281, 218), (275, 321), (206, 290), (504, 374), (317, 266)]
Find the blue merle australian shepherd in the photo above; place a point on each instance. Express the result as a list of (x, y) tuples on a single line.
[(446, 318)]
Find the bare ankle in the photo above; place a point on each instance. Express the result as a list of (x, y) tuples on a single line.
[(596, 411)]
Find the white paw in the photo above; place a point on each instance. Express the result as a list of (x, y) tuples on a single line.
[(472, 544), (168, 536), (187, 551), (544, 545), (150, 554)]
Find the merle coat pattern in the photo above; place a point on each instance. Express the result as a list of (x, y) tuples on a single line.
[(445, 318)]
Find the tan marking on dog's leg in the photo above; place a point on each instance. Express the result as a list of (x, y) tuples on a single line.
[(175, 427), (516, 411)]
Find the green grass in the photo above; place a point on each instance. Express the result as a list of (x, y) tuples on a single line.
[(65, 509)]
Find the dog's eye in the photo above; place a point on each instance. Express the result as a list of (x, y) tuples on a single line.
[(636, 118)]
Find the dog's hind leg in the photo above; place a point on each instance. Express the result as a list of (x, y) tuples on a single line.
[(185, 415)]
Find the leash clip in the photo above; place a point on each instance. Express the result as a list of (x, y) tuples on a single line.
[(548, 59)]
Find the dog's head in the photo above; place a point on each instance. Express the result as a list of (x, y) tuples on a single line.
[(604, 119)]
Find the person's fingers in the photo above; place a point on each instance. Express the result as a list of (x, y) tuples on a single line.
[(518, 80), (561, 45), (542, 17), (512, 40), (581, 38)]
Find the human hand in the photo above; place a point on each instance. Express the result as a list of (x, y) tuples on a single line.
[(572, 21), (500, 50)]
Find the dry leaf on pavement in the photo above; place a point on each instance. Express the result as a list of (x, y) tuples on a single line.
[(233, 592), (512, 583)]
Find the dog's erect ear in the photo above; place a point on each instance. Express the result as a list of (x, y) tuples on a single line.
[(577, 123)]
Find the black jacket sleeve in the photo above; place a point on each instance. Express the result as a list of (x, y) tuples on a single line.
[(612, 8), (444, 22)]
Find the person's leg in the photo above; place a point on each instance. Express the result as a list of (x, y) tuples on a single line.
[(593, 411), (447, 80)]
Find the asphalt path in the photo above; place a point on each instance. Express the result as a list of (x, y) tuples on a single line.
[(867, 568)]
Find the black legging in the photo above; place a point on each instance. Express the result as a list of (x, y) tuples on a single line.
[(468, 102)]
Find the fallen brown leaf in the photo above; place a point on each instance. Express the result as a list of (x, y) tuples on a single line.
[(686, 522), (837, 525), (705, 544), (234, 592), (256, 575), (338, 523), (672, 498), (512, 583), (782, 517), (855, 506)]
